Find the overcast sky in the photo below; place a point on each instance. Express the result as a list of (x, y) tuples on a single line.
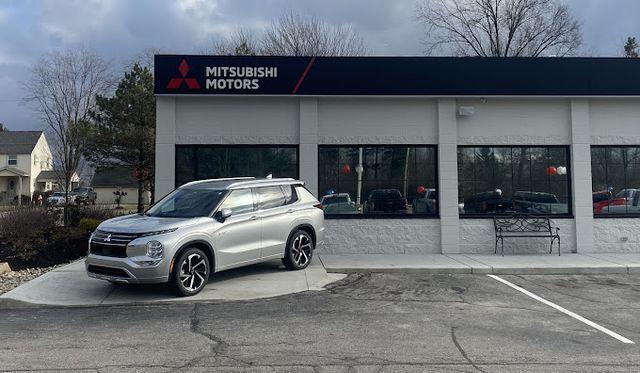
[(122, 29)]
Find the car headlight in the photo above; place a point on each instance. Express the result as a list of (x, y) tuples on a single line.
[(155, 233), (154, 249)]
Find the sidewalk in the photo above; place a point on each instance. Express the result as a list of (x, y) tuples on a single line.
[(542, 264), (70, 286)]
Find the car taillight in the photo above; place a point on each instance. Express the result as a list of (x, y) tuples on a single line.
[(319, 206)]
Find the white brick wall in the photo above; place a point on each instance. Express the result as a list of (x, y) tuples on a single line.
[(381, 236), (609, 235)]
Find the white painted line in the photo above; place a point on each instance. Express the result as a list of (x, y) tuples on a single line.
[(564, 310)]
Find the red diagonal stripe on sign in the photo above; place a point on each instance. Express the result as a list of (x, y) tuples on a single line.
[(304, 74)]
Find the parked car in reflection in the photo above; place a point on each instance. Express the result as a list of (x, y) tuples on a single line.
[(604, 202), (489, 202), (385, 201), (538, 203), (339, 203), (427, 204), (626, 201), (600, 200)]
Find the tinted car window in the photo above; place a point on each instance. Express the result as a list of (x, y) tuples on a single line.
[(187, 203), (290, 195), (239, 201), (270, 197)]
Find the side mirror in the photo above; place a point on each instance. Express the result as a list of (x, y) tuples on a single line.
[(222, 215)]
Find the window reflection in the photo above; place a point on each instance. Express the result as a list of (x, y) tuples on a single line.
[(502, 180), (198, 162), (615, 173), (377, 180)]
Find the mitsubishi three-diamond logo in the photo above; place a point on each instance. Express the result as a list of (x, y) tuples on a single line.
[(176, 83)]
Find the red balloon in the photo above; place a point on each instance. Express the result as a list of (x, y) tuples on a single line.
[(346, 169), (551, 171), (421, 189)]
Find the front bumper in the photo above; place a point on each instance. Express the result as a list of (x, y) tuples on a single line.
[(125, 270)]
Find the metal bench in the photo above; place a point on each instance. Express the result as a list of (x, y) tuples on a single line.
[(522, 226)]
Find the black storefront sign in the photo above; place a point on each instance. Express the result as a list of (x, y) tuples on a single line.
[(396, 76)]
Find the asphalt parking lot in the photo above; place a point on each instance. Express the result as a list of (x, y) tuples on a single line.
[(364, 323)]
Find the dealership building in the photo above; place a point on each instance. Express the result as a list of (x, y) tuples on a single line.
[(415, 155)]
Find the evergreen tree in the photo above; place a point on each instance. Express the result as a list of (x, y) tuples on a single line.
[(122, 130)]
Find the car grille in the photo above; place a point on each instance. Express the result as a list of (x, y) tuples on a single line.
[(107, 271), (110, 243)]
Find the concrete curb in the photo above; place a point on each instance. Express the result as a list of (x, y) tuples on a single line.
[(570, 264)]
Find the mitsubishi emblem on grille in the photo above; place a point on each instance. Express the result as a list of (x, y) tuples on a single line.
[(108, 238)]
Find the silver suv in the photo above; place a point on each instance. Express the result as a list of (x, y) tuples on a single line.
[(209, 226)]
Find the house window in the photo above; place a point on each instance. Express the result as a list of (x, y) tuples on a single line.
[(13, 160), (381, 180), (615, 175), (198, 162), (514, 179)]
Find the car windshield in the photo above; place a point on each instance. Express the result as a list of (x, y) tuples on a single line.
[(80, 190), (187, 203), (57, 194)]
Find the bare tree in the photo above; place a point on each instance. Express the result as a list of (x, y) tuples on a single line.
[(500, 28), (63, 86), (293, 35), (241, 42)]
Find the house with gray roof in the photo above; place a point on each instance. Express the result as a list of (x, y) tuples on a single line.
[(107, 181), (24, 156)]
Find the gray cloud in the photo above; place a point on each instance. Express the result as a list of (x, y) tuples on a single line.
[(122, 29)]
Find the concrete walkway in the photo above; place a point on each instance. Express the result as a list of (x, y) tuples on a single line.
[(70, 286), (484, 264)]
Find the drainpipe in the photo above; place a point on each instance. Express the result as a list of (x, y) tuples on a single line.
[(359, 170)]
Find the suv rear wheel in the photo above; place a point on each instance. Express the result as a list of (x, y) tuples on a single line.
[(299, 250), (191, 272)]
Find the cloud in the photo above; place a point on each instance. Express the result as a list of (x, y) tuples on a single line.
[(122, 29)]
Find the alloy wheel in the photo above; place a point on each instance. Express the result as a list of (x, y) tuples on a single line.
[(193, 272), (301, 248)]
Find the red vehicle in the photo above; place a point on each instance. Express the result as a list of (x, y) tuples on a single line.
[(602, 199)]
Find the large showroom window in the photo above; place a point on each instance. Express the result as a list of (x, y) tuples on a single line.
[(384, 181), (197, 162), (615, 173), (513, 179)]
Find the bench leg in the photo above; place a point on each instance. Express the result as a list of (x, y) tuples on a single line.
[(495, 251), (502, 245), (558, 245)]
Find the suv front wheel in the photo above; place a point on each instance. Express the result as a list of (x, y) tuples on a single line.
[(299, 251), (191, 272)]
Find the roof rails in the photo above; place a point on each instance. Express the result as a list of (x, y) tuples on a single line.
[(214, 180), (257, 182)]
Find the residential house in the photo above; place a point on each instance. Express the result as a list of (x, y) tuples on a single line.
[(24, 155), (108, 180)]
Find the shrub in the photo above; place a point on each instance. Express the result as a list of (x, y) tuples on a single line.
[(88, 224), (24, 232)]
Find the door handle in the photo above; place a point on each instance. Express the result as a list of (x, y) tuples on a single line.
[(290, 211), (254, 218)]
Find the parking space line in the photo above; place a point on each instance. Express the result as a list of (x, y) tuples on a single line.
[(564, 310)]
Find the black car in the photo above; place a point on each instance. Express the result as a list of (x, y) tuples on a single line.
[(385, 200), (490, 202)]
